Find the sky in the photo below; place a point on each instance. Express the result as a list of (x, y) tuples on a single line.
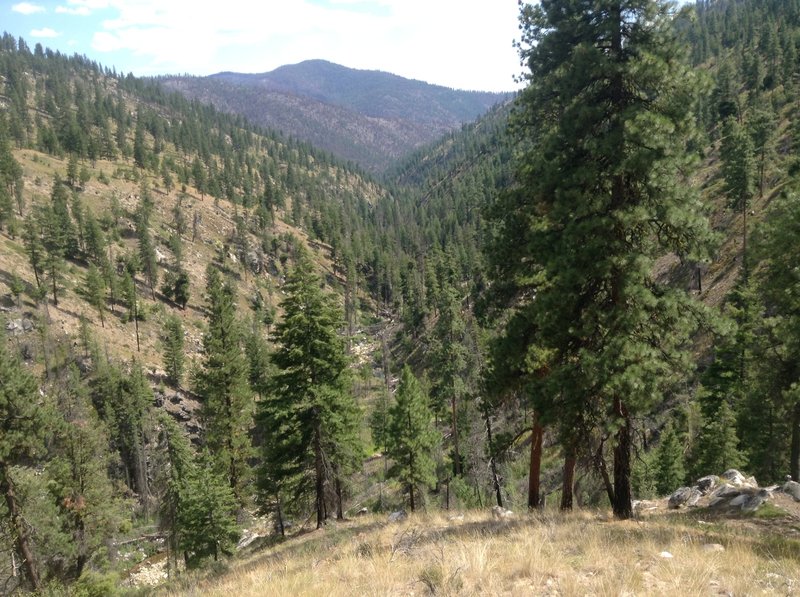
[(463, 44)]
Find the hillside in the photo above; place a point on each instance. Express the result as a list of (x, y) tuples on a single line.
[(220, 335), (369, 117), (546, 554)]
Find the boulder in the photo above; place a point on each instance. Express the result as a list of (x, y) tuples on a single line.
[(726, 491), (734, 477), (755, 501), (683, 497), (713, 547), (500, 513), (707, 483), (398, 516), (793, 489)]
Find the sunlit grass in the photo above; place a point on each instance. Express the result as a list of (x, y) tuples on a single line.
[(552, 554)]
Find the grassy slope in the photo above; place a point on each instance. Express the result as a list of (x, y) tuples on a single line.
[(540, 554)]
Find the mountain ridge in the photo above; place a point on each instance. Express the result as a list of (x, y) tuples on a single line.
[(368, 117)]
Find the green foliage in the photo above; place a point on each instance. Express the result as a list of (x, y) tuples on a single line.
[(669, 462), (90, 512), (411, 437), (206, 514), (172, 341), (222, 384), (94, 291), (602, 128), (309, 418), (716, 448)]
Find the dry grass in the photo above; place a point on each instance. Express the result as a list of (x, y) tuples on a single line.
[(580, 554)]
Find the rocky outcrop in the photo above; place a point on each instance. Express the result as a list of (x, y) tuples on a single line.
[(730, 491), (792, 488)]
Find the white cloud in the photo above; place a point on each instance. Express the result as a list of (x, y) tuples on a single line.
[(26, 8), (82, 8), (82, 11), (458, 43), (45, 32)]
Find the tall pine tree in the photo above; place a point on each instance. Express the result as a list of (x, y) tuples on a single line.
[(309, 411), (603, 127), (411, 437)]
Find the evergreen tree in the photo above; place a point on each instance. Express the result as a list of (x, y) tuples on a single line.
[(89, 511), (669, 462), (206, 515), (717, 447), (411, 437), (94, 291), (449, 365), (309, 407), (603, 128), (223, 387), (178, 464), (739, 173), (172, 340), (23, 423)]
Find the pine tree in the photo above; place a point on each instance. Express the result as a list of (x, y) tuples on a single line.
[(94, 290), (770, 418), (449, 366), (739, 173), (206, 515), (717, 446), (89, 511), (411, 437), (223, 387), (603, 128), (669, 459), (172, 341), (310, 413), (23, 423), (178, 460)]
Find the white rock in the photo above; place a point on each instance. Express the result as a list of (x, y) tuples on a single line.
[(666, 555)]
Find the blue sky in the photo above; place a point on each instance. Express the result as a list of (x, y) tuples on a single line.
[(466, 44)]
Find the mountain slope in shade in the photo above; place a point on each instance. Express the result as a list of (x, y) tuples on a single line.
[(370, 117)]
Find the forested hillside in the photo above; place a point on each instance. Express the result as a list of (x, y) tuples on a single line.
[(584, 297), (369, 117)]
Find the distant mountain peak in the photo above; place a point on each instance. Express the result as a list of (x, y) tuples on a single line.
[(371, 117)]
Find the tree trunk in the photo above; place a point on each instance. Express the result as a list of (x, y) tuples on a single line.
[(319, 472), (21, 537), (136, 318), (492, 462), (568, 479), (456, 453), (534, 498), (279, 512), (411, 495), (600, 463), (622, 465), (339, 508), (794, 458)]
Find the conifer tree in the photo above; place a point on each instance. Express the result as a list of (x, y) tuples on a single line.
[(94, 290), (603, 128), (411, 437), (449, 364), (717, 447), (669, 462), (172, 341), (89, 511), (309, 407), (206, 515), (23, 423), (739, 173), (223, 387)]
